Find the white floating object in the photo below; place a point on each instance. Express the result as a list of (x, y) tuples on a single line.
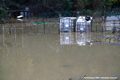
[(20, 16)]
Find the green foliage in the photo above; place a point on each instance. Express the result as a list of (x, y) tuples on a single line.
[(60, 6), (3, 14), (108, 3)]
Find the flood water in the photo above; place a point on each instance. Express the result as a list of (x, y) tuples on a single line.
[(51, 57)]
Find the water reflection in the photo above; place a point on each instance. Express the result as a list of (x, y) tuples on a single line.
[(83, 39), (11, 40), (89, 38), (108, 39), (80, 39), (42, 58), (66, 38)]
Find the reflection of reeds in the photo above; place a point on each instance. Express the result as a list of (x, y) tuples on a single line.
[(12, 32), (32, 26)]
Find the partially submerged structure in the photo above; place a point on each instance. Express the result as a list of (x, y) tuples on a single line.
[(83, 24), (67, 24), (75, 24), (112, 21)]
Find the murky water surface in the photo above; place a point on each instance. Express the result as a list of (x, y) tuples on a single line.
[(58, 56)]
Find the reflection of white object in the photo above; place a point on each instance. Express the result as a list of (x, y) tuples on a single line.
[(20, 19), (66, 38), (101, 78), (83, 39), (81, 43)]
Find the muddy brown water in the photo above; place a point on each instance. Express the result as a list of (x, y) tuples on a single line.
[(41, 57)]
